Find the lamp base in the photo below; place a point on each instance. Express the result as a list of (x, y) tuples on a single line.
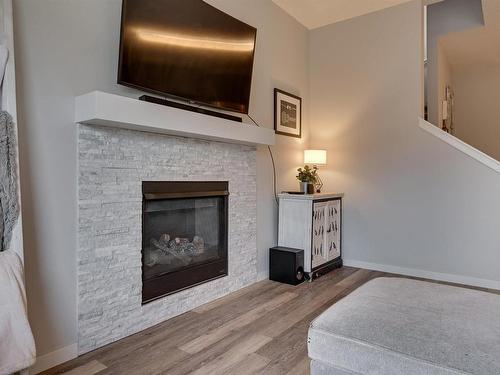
[(318, 185)]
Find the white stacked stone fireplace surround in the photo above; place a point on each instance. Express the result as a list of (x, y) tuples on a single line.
[(112, 164)]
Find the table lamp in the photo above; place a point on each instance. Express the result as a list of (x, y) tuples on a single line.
[(316, 158)]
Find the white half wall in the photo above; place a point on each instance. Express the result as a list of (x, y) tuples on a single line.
[(68, 48), (412, 201)]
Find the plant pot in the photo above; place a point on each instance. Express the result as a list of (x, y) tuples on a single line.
[(306, 187)]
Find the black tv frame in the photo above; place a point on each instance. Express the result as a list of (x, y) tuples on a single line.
[(190, 103)]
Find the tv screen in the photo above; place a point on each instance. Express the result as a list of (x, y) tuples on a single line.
[(189, 50)]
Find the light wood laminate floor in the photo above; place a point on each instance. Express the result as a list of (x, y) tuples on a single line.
[(261, 329)]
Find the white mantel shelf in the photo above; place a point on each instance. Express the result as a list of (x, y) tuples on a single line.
[(104, 109)]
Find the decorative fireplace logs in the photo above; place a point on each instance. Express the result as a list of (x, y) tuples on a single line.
[(166, 250)]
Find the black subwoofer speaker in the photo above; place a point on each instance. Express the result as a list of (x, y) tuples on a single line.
[(286, 265)]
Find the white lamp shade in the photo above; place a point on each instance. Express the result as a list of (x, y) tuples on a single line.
[(316, 157)]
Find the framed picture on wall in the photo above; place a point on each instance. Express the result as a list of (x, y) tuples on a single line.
[(287, 114)]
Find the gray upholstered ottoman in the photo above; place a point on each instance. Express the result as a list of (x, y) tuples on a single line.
[(396, 326)]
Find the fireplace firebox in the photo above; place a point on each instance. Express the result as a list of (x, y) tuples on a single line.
[(184, 235)]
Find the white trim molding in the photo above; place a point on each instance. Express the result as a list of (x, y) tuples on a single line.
[(49, 360), (460, 145), (451, 278)]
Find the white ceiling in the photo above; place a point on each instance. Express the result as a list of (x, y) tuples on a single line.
[(479, 46), (317, 13)]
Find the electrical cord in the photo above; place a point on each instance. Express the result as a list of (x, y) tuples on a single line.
[(273, 163)]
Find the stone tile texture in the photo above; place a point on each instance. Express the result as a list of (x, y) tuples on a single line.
[(112, 163)]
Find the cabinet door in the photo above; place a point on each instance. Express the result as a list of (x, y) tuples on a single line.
[(318, 250), (332, 229)]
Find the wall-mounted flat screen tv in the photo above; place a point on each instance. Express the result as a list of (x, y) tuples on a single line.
[(189, 50)]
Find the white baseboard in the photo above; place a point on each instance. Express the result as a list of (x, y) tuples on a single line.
[(49, 360), (451, 278)]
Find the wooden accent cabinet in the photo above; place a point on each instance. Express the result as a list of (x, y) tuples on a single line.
[(312, 223)]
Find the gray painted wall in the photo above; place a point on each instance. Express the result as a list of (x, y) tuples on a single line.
[(66, 48), (411, 200)]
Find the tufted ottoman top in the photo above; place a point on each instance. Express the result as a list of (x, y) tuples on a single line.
[(395, 326)]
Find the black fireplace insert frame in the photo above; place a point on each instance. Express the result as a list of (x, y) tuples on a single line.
[(176, 281)]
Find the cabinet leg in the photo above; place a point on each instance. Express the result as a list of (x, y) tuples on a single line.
[(309, 276)]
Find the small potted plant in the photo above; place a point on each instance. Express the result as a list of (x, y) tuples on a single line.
[(307, 178)]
